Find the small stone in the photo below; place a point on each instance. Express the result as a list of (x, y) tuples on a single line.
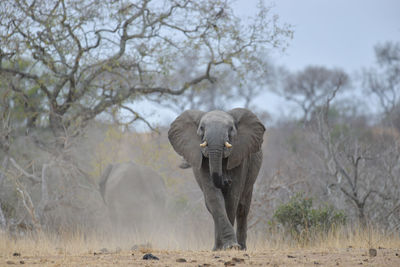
[(21, 262), (397, 254), (217, 257), (150, 256), (181, 260), (229, 263), (238, 260), (16, 254), (316, 263), (290, 256), (372, 252), (10, 262)]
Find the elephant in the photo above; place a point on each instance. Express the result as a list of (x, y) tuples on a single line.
[(134, 194), (224, 150)]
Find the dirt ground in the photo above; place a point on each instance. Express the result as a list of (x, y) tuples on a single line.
[(311, 257)]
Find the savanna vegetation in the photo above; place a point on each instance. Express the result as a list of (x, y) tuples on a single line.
[(73, 75)]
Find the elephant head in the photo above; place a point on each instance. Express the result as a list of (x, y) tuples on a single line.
[(215, 135)]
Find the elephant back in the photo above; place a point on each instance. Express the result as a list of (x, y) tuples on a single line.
[(134, 194)]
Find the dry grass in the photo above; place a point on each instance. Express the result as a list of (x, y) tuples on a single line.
[(78, 242), (344, 247), (42, 243), (340, 238)]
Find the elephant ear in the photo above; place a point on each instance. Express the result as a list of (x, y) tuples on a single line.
[(249, 137), (184, 139)]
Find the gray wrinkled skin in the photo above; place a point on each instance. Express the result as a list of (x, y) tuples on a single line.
[(135, 196), (225, 175)]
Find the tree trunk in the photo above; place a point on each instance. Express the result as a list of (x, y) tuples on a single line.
[(58, 129), (361, 215), (3, 222), (3, 169)]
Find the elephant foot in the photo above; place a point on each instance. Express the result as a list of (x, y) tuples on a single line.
[(231, 246), (228, 246), (215, 248)]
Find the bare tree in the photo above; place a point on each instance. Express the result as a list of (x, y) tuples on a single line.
[(239, 83), (341, 155), (357, 164), (383, 81), (85, 57), (206, 95), (310, 87)]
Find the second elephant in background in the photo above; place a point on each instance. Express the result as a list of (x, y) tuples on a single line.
[(135, 196)]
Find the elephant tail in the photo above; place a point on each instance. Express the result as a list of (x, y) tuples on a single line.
[(103, 181)]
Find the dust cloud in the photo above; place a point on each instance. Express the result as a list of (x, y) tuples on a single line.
[(121, 188)]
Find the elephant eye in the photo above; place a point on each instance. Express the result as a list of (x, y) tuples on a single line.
[(200, 131), (230, 132)]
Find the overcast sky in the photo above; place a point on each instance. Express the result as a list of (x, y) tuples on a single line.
[(333, 33)]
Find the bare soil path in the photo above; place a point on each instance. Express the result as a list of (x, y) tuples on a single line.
[(293, 257)]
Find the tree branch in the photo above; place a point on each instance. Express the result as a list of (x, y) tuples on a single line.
[(32, 177)]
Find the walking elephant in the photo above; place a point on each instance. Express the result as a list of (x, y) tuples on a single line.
[(135, 196), (224, 150)]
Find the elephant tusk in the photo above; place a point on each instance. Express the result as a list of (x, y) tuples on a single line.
[(227, 144), (203, 144)]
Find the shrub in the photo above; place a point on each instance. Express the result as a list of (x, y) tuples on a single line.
[(301, 220)]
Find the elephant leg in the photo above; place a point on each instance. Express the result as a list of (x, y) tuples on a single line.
[(217, 238), (231, 204), (224, 233), (232, 192), (230, 211), (241, 217), (218, 245), (245, 200)]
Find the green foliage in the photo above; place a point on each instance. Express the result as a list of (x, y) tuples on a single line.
[(301, 220), (23, 99)]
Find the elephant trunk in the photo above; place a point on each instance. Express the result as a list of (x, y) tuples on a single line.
[(103, 181), (215, 163)]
